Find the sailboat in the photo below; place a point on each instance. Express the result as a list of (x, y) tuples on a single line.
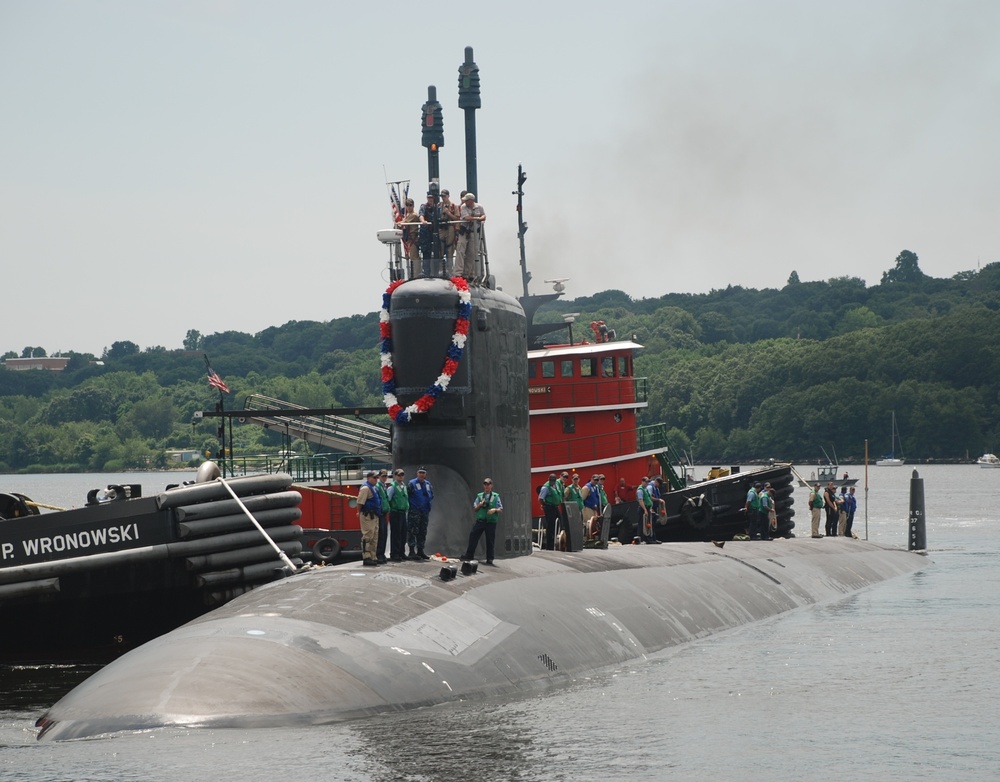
[(890, 459)]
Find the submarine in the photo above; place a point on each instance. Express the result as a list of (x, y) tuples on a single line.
[(345, 642)]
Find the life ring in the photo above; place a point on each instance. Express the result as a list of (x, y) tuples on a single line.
[(697, 512), (326, 550)]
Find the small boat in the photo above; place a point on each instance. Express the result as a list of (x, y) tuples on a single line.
[(988, 460), (90, 583), (890, 459), (827, 473)]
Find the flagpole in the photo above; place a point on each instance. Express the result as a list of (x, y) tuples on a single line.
[(216, 382), (222, 436), (232, 464)]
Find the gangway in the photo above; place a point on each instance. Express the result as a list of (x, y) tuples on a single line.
[(345, 433)]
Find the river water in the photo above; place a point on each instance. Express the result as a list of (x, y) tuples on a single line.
[(900, 681)]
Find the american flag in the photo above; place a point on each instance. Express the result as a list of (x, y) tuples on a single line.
[(215, 381), (396, 201)]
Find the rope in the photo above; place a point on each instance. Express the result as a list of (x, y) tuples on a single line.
[(324, 491), (796, 474), (34, 504)]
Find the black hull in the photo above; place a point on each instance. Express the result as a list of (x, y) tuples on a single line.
[(88, 584), (115, 613), (711, 510)]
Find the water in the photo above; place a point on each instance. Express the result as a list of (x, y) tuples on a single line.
[(897, 682)]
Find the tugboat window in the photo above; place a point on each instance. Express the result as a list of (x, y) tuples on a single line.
[(623, 366), (566, 368), (569, 424), (548, 369), (587, 367), (531, 370), (608, 366)]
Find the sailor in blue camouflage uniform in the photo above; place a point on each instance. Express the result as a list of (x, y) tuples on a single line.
[(421, 498)]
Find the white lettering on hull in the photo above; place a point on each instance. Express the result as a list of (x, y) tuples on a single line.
[(74, 541)]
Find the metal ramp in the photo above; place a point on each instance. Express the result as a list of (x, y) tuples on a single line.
[(336, 432)]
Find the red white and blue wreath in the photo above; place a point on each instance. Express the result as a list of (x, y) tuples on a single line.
[(453, 355)]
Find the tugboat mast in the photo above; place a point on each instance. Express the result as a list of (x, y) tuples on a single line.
[(522, 227)]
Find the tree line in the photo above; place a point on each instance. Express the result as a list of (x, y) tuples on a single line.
[(738, 374)]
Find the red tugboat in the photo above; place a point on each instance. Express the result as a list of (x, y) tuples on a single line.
[(584, 400)]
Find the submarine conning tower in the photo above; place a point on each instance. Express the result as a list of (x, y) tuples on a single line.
[(477, 427)]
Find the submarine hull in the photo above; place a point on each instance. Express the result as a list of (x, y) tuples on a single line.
[(341, 643)]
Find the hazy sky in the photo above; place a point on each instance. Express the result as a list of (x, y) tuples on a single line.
[(218, 165)]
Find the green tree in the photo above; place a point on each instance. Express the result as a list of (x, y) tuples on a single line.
[(709, 445), (858, 318), (81, 404), (906, 269), (716, 327), (120, 350), (152, 418)]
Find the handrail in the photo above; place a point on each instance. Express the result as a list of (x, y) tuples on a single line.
[(333, 468), (349, 433)]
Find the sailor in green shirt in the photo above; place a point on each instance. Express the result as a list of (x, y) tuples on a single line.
[(399, 506), (382, 486), (573, 493), (551, 498), (816, 506), (487, 508), (645, 498)]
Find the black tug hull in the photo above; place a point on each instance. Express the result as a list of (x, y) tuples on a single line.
[(711, 510), (91, 583)]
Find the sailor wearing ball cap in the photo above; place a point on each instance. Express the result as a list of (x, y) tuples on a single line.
[(421, 497), (755, 531), (551, 497), (450, 215), (591, 495), (815, 506), (369, 509), (409, 222), (472, 218)]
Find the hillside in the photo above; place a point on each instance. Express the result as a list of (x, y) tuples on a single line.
[(739, 374)]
